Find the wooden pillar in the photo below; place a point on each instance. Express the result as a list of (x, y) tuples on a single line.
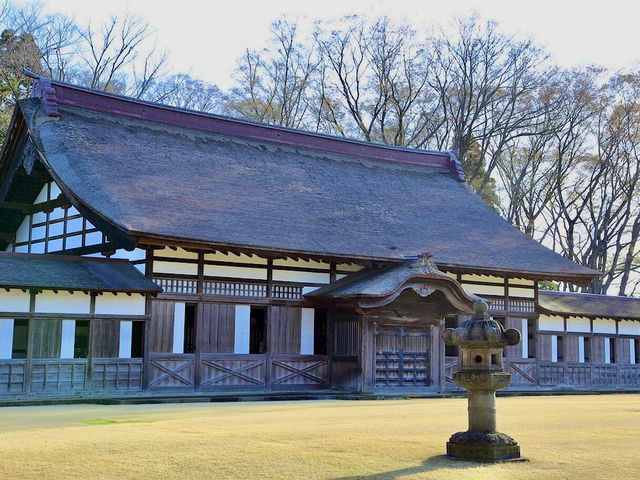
[(146, 360), (269, 342), (441, 358), (30, 334), (434, 370), (92, 312), (367, 354)]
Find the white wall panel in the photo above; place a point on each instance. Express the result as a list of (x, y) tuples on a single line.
[(68, 338), (554, 348), (521, 292), (63, 302), (174, 267), (120, 304), (632, 351), (124, 343), (524, 330), (604, 325), (14, 301), (242, 329), (552, 323), (629, 327), (306, 331), (178, 327), (581, 349), (179, 253), (235, 272), (607, 350), (484, 289), (578, 324), (300, 277), (6, 338)]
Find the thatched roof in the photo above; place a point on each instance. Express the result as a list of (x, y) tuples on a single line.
[(274, 190), (64, 272), (588, 305)]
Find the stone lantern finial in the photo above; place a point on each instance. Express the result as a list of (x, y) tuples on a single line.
[(481, 340)]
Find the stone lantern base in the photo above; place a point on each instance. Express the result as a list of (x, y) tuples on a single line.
[(483, 446)]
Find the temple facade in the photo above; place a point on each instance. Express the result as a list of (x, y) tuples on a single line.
[(150, 251)]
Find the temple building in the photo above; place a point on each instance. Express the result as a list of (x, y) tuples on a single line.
[(149, 250)]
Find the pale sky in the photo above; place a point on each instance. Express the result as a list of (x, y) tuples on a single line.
[(204, 38)]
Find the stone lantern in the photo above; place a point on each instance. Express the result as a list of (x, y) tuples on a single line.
[(481, 340)]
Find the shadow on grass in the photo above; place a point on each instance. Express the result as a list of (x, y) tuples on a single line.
[(429, 465)]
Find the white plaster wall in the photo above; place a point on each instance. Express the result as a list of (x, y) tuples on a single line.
[(632, 351), (521, 281), (578, 324), (22, 234), (74, 224), (629, 327), (55, 190), (307, 331), (524, 330), (552, 323), (42, 196), (300, 277), (179, 253), (62, 302), (554, 348), (607, 350), (241, 330), (68, 338), (484, 289), (124, 343), (14, 301), (6, 338), (604, 325), (223, 257), (120, 304), (581, 349), (521, 292), (37, 247), (92, 238), (257, 273), (173, 267), (178, 327), (482, 278)]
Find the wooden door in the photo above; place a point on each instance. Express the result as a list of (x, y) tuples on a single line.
[(402, 357)]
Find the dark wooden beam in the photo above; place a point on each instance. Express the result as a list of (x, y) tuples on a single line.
[(26, 208)]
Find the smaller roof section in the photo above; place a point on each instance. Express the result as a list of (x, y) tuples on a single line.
[(373, 288), (588, 305), (62, 272)]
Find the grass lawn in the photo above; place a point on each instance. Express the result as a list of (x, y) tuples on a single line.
[(586, 437)]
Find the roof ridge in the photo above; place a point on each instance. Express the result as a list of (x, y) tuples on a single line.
[(589, 294)]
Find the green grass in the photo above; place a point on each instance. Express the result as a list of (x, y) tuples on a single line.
[(587, 437)]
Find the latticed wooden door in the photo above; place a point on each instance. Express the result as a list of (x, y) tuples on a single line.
[(402, 357)]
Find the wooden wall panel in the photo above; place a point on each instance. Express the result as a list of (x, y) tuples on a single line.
[(571, 348), (622, 350), (105, 336), (161, 333), (545, 347), (46, 338), (284, 325), (216, 328), (597, 349)]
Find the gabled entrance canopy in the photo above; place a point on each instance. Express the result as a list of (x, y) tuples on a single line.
[(413, 291)]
